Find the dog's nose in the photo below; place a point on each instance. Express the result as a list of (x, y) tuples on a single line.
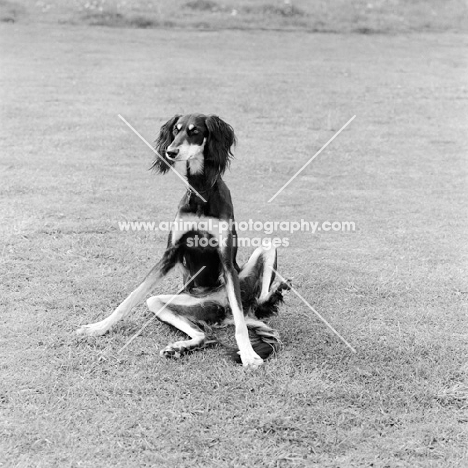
[(172, 154)]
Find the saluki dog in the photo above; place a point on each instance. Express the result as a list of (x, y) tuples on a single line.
[(204, 235)]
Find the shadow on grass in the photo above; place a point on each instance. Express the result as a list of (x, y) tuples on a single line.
[(285, 10), (114, 19), (118, 20), (262, 15), (11, 12), (202, 5)]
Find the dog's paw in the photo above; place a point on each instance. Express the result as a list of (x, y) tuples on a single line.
[(251, 359), (93, 329), (285, 286), (170, 353), (174, 350)]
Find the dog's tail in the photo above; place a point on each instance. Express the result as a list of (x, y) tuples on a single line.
[(265, 341)]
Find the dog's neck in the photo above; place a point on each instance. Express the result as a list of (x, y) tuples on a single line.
[(215, 194), (200, 182), (199, 187)]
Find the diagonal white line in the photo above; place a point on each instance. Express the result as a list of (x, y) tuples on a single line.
[(162, 308), (318, 315), (311, 159), (181, 177)]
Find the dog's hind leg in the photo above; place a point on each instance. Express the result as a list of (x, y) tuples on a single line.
[(270, 263), (257, 277), (259, 271), (183, 312), (136, 297)]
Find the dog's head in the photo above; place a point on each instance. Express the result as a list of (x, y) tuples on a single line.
[(204, 141)]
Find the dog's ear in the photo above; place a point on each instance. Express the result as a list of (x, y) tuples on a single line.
[(161, 164), (218, 146)]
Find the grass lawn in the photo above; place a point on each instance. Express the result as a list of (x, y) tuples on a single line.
[(396, 288)]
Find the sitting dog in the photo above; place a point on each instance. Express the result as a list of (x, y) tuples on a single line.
[(217, 291)]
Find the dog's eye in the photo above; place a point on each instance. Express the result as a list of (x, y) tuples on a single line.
[(195, 131), (175, 131)]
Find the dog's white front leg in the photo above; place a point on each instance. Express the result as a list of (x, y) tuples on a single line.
[(102, 327), (135, 298), (248, 356)]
